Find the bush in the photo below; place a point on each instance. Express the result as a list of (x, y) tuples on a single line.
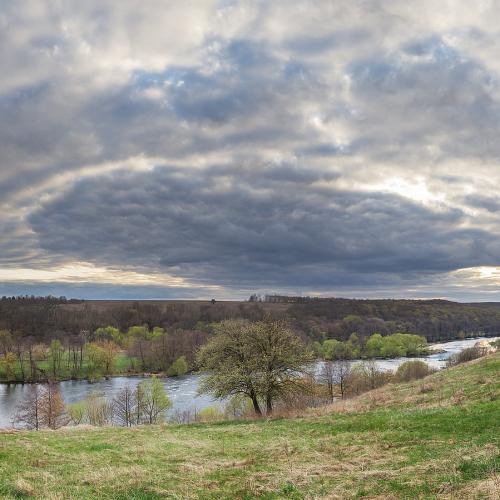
[(178, 367), (466, 355), (412, 370), (210, 414), (366, 376)]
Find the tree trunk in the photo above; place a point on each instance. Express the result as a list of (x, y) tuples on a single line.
[(269, 405), (256, 406)]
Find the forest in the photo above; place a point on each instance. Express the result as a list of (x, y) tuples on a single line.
[(46, 318), (53, 337)]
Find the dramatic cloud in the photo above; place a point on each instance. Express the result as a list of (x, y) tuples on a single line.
[(219, 148)]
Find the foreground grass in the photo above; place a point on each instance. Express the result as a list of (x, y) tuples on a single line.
[(427, 439)]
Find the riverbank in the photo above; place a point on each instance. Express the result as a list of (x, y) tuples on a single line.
[(434, 437), (125, 365)]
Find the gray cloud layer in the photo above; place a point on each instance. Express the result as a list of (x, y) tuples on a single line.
[(298, 146)]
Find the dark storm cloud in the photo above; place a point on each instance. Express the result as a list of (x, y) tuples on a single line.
[(238, 228)]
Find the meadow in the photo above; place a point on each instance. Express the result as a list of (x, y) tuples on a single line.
[(437, 437)]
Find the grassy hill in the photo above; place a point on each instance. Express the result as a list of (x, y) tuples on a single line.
[(437, 437)]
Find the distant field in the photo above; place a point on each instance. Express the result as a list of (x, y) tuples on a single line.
[(231, 304), (434, 438)]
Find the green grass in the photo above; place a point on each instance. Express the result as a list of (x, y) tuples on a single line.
[(436, 438)]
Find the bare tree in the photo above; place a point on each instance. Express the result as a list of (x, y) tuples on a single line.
[(328, 378), (52, 409), (124, 406), (29, 410), (341, 374), (20, 349)]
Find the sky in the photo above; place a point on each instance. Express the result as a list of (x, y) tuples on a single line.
[(198, 149)]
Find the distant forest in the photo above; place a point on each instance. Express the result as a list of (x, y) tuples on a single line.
[(314, 319)]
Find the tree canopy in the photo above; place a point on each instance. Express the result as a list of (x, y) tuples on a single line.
[(262, 360)]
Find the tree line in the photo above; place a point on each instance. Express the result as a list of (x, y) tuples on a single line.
[(374, 346), (45, 318), (104, 352)]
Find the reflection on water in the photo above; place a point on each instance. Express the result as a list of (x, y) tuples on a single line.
[(182, 390)]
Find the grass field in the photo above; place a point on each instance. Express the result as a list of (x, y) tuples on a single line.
[(434, 438)]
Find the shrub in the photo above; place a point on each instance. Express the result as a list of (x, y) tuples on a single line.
[(366, 376), (178, 367), (412, 370), (466, 355), (210, 414), (94, 410)]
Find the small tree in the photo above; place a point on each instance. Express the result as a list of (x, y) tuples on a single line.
[(108, 333), (154, 400), (109, 352), (96, 360), (327, 377), (261, 360), (28, 411), (210, 414), (124, 406), (373, 376), (341, 374), (138, 338), (52, 408), (56, 351), (9, 364), (5, 341), (374, 345), (139, 404), (465, 355)]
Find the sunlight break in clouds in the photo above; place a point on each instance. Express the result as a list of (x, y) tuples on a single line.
[(225, 147)]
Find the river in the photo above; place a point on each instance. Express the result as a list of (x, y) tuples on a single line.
[(182, 390)]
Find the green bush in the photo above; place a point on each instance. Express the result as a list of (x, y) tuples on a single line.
[(210, 414), (178, 367), (412, 370)]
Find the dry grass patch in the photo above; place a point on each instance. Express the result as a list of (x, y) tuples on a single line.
[(24, 487)]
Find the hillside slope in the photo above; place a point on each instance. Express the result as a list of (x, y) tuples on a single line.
[(437, 437)]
